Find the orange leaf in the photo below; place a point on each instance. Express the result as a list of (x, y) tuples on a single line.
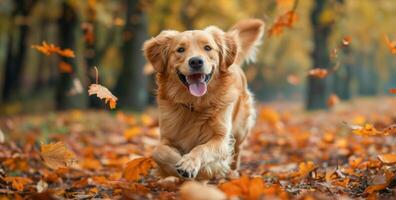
[(103, 93), (65, 67), (18, 183), (49, 49), (318, 73), (392, 91), (388, 158), (132, 132), (56, 155), (346, 40), (285, 20), (303, 170), (293, 79), (391, 44), (332, 100), (370, 130), (138, 167)]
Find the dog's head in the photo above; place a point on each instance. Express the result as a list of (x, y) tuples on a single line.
[(192, 57)]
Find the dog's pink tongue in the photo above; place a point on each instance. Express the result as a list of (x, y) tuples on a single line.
[(197, 85), (197, 89)]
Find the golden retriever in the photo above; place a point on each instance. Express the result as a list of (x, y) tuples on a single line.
[(206, 109)]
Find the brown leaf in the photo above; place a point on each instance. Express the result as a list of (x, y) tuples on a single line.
[(138, 167), (370, 130), (103, 93), (56, 155)]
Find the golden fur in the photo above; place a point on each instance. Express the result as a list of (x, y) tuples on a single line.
[(201, 137)]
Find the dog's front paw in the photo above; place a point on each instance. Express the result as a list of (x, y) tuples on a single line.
[(188, 167)]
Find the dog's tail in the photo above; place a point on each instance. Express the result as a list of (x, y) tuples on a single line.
[(250, 33)]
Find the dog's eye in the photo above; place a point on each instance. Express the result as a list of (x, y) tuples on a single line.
[(207, 48), (180, 50)]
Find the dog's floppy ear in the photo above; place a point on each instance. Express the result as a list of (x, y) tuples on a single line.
[(228, 46), (156, 49)]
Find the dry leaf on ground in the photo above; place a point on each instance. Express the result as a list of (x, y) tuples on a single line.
[(56, 155), (138, 167)]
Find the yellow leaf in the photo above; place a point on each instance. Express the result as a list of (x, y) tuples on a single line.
[(56, 155), (132, 132)]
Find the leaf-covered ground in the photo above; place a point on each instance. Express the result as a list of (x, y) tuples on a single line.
[(290, 154)]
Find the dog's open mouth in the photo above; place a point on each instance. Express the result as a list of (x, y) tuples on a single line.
[(196, 83)]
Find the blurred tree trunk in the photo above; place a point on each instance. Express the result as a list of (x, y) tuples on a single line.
[(16, 48), (343, 76), (368, 75), (131, 86), (318, 89), (68, 26)]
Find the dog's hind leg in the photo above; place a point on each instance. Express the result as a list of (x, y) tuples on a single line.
[(166, 157)]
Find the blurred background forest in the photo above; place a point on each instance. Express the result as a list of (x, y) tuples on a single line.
[(346, 37)]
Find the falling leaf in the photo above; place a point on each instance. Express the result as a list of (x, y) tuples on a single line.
[(49, 49), (285, 20), (391, 44), (65, 67), (18, 183), (138, 167), (346, 41), (56, 155), (76, 89), (193, 190), (103, 93), (318, 73), (332, 100), (293, 79), (388, 158)]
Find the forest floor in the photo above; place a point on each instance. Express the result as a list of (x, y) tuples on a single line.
[(290, 154)]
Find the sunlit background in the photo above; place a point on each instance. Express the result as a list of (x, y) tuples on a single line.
[(351, 39)]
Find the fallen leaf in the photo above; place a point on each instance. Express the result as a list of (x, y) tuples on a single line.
[(41, 186), (132, 132), (370, 130), (18, 183), (2, 137), (56, 155), (380, 182), (103, 93), (388, 158), (193, 190), (138, 167)]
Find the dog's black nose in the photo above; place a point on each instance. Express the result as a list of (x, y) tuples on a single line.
[(196, 63)]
